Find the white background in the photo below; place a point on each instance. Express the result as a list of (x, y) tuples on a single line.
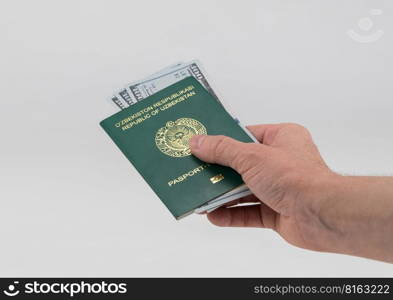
[(72, 205)]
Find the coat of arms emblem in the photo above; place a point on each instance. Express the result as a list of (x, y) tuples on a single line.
[(173, 139)]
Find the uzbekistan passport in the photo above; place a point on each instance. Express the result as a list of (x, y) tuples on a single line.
[(154, 135)]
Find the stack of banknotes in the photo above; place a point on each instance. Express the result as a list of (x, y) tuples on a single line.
[(137, 91), (141, 89)]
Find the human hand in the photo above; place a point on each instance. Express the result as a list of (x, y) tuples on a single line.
[(294, 191)]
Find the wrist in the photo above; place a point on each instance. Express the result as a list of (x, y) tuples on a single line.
[(353, 216), (320, 212)]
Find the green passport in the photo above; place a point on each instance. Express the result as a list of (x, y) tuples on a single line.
[(154, 135)]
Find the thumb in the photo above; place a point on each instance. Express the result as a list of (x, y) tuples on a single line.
[(225, 151)]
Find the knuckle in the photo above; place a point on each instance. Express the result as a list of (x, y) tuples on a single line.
[(221, 146), (247, 159), (298, 128), (239, 162)]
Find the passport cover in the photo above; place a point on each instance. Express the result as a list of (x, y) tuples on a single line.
[(154, 134)]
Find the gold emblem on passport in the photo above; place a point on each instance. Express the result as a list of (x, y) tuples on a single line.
[(173, 139), (217, 178)]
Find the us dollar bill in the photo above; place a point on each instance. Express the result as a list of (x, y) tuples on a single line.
[(139, 90), (124, 98), (213, 205), (143, 89), (118, 101)]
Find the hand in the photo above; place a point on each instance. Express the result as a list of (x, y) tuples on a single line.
[(295, 193), (278, 172)]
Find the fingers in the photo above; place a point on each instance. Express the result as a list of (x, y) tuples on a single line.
[(265, 133), (242, 216), (258, 215), (225, 151)]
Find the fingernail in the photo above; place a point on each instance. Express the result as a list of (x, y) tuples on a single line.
[(196, 141)]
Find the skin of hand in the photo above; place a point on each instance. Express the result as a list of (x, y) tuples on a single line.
[(297, 195)]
